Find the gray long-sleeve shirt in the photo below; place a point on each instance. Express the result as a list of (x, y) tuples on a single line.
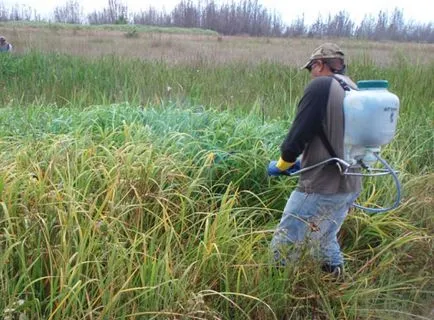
[(321, 108)]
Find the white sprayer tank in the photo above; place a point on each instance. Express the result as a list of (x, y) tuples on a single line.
[(371, 116)]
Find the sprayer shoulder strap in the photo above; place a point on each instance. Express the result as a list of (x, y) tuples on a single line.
[(322, 133), (326, 143), (343, 84)]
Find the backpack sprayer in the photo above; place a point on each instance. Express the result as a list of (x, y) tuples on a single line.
[(371, 115)]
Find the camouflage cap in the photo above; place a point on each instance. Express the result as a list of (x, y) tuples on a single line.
[(325, 51)]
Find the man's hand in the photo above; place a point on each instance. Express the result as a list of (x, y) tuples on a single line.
[(274, 168)]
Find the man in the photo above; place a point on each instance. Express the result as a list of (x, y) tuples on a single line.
[(317, 208), (4, 45)]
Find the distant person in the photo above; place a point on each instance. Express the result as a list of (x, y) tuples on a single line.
[(4, 45)]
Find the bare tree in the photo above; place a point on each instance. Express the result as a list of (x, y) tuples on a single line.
[(366, 29), (276, 25), (381, 26), (340, 25), (297, 28), (237, 17), (118, 11), (22, 13), (317, 29), (185, 14), (396, 27), (115, 13), (70, 12), (210, 16), (4, 12), (152, 17)]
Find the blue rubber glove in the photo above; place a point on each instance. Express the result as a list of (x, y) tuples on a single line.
[(274, 171)]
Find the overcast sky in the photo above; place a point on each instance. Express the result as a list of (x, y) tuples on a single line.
[(416, 10)]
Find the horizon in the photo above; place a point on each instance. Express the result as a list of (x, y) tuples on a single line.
[(288, 12)]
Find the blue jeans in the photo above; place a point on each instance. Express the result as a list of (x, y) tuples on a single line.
[(312, 221)]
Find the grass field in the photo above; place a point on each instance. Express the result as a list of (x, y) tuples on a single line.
[(133, 182), (193, 46)]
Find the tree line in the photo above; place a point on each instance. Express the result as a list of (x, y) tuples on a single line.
[(243, 17)]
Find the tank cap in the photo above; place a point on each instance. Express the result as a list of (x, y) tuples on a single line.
[(369, 84)]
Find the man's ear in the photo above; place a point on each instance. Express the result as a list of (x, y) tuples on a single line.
[(321, 65)]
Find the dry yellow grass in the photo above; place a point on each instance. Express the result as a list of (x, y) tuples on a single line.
[(190, 49)]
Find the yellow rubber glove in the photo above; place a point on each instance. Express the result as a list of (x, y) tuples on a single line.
[(283, 165)]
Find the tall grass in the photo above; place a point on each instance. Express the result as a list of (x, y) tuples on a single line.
[(37, 78), (158, 206), (124, 212), (74, 81)]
